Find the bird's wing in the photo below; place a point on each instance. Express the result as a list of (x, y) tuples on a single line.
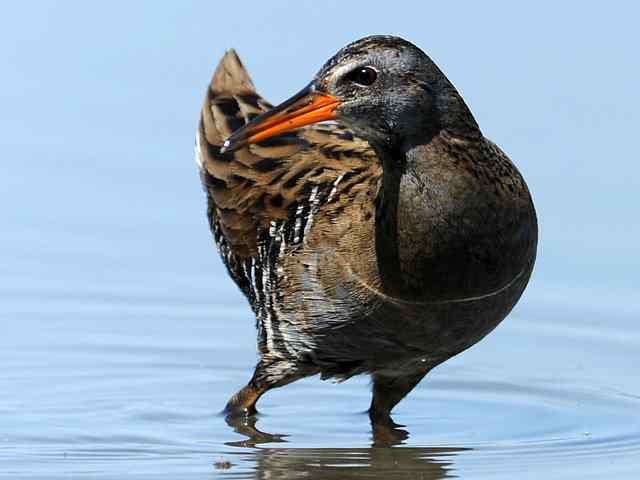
[(252, 189)]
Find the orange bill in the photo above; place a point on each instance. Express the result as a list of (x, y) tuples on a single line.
[(306, 107)]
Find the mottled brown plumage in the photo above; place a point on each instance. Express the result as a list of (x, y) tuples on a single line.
[(385, 243)]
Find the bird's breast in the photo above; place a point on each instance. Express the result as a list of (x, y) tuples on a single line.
[(452, 227)]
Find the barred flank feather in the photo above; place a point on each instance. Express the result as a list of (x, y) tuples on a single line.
[(276, 197)]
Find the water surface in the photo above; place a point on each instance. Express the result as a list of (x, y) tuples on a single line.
[(134, 388)]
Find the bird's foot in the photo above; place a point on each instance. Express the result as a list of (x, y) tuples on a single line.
[(386, 432), (232, 411), (387, 436), (243, 403)]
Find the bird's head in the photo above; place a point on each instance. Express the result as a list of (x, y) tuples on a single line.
[(384, 88)]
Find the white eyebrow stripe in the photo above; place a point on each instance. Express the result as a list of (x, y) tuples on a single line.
[(343, 70)]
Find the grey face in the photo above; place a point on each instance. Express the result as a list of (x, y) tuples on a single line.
[(386, 87)]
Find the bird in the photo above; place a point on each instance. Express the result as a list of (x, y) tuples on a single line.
[(370, 224)]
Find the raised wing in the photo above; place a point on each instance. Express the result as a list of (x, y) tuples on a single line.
[(254, 189)]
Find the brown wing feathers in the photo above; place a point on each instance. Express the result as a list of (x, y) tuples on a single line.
[(250, 187)]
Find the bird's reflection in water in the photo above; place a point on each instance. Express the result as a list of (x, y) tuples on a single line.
[(247, 427), (377, 461)]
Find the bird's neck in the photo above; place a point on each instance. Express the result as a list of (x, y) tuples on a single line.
[(454, 116), (401, 201), (446, 116)]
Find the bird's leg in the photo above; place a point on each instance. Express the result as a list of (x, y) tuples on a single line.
[(387, 393), (267, 375)]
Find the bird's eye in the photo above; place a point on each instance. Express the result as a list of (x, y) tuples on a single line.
[(363, 75)]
